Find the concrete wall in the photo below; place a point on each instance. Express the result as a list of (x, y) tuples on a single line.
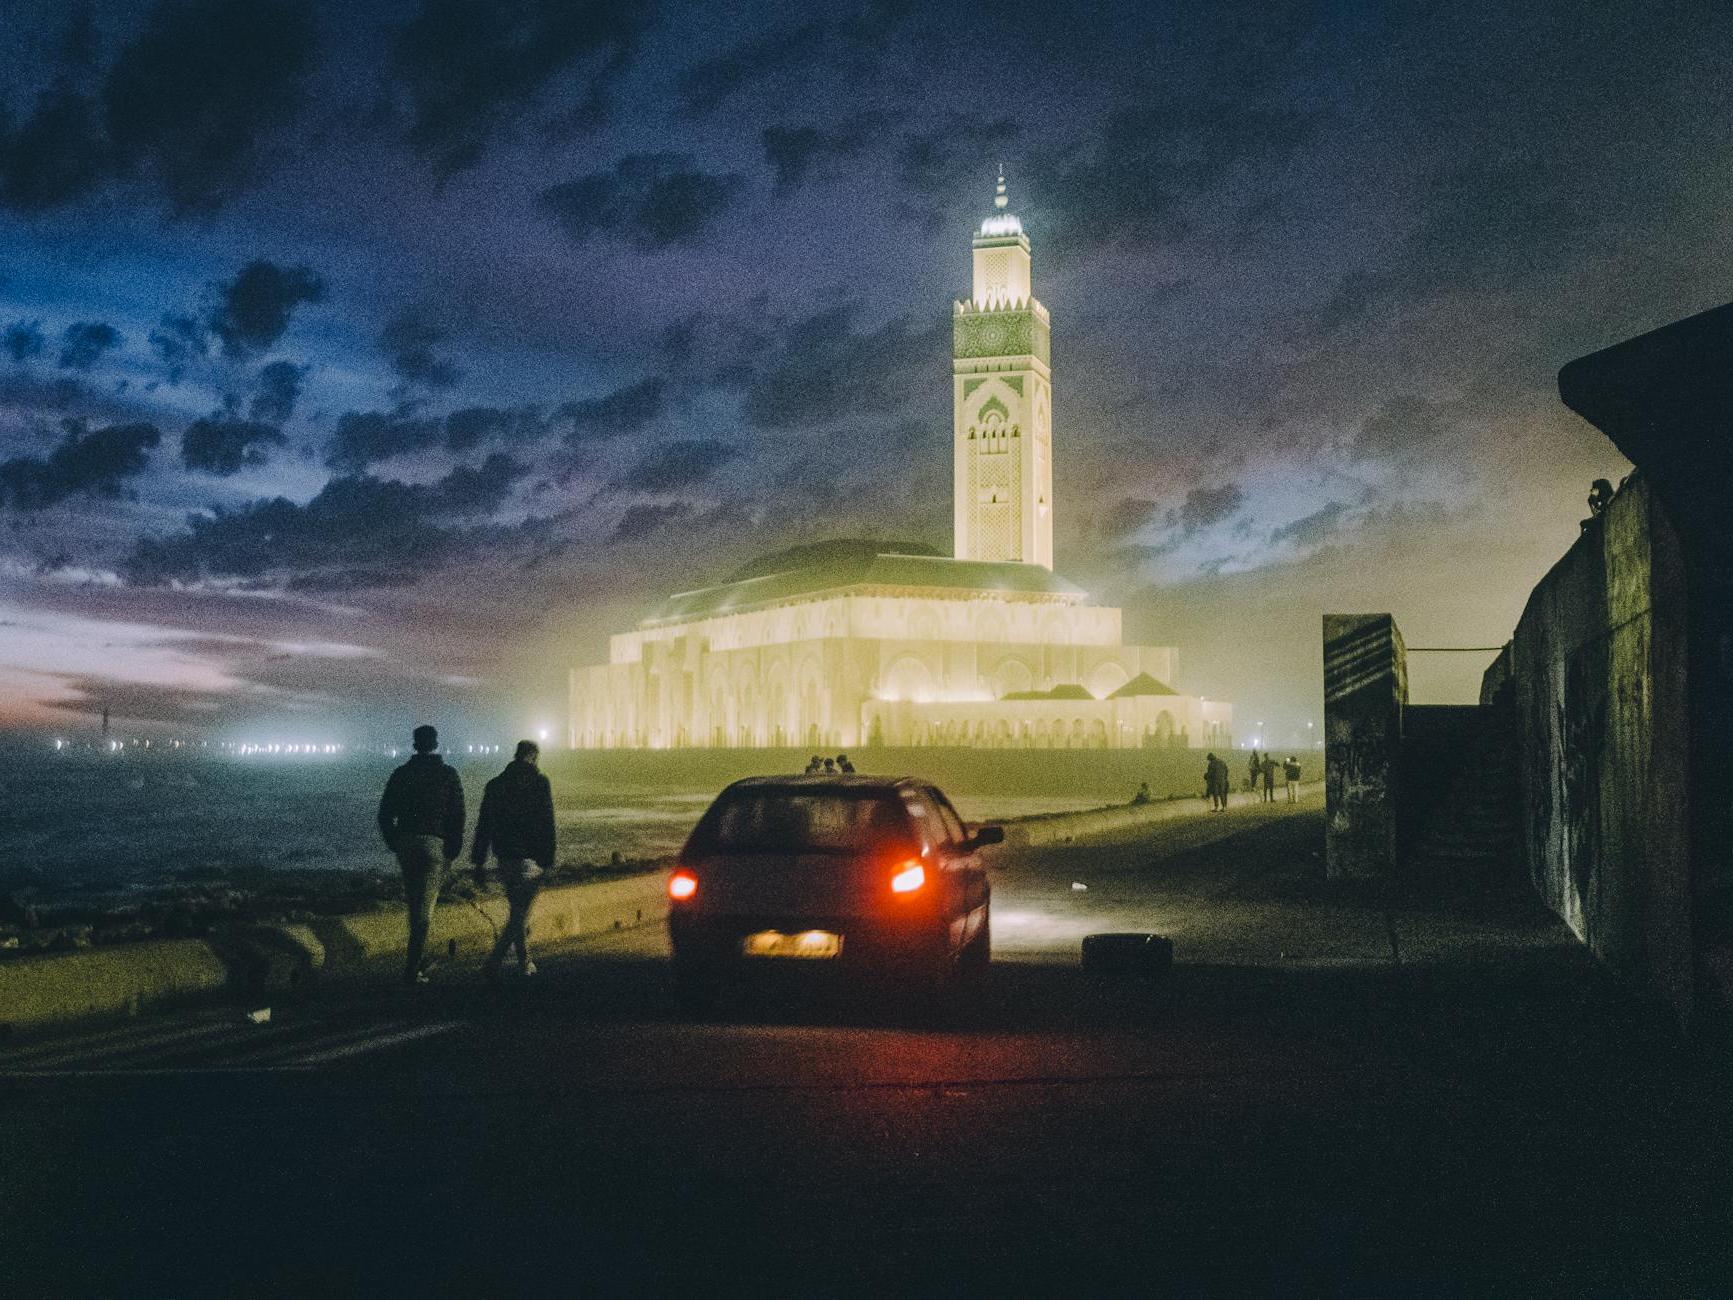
[(1596, 676), (1365, 693)]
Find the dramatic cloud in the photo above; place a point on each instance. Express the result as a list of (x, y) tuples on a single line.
[(178, 341), (84, 344), (1403, 425), (95, 463), (186, 106), (80, 45), (359, 531), (224, 445), (676, 465), (364, 438), (793, 151), (1206, 507), (651, 201), (23, 340), (513, 426), (191, 100), (1313, 528), (253, 310), (1147, 159), (58, 154), (1127, 516), (643, 519), (821, 369), (279, 388), (473, 67), (471, 491), (707, 84), (941, 158), (1315, 262), (409, 342), (625, 410)]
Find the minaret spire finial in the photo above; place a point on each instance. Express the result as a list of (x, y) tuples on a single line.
[(999, 199)]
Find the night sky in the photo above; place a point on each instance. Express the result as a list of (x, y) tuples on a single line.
[(362, 364)]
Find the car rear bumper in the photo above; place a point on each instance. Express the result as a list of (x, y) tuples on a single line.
[(717, 943)]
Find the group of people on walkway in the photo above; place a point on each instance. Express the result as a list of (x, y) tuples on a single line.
[(421, 817), (838, 766), (1260, 774)]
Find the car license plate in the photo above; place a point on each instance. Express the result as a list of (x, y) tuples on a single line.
[(807, 944)]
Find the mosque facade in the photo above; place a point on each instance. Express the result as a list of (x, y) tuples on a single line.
[(856, 643)]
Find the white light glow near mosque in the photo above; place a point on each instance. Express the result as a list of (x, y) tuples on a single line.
[(844, 644)]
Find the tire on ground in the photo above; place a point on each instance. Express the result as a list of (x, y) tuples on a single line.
[(1127, 956), (977, 954)]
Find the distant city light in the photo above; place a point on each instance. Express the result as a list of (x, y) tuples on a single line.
[(248, 748)]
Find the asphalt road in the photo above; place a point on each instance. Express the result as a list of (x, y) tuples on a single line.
[(1328, 1095)]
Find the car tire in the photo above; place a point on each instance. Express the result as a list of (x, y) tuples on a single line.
[(977, 954), (929, 970)]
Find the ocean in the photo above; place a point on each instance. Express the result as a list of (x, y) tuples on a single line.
[(82, 825)]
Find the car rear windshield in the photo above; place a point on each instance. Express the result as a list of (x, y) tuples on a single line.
[(802, 821)]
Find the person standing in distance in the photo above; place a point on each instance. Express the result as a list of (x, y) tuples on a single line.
[(421, 819), (517, 822)]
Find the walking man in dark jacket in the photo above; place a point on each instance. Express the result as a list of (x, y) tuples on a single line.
[(517, 822), (1215, 779), (421, 818)]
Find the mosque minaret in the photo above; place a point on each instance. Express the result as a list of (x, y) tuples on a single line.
[(1003, 380), (856, 642)]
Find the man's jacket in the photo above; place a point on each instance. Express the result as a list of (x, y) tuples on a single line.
[(517, 817), (423, 797)]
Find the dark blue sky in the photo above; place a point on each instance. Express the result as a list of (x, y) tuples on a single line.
[(362, 362)]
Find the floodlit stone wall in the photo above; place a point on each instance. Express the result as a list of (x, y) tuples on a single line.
[(895, 670)]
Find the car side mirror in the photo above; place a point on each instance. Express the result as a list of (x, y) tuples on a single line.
[(986, 835)]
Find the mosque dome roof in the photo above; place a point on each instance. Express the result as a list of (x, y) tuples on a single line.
[(1143, 684), (803, 571), (839, 552)]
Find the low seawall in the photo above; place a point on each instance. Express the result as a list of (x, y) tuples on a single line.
[(1064, 828), (106, 983)]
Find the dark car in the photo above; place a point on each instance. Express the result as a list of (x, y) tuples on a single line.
[(844, 873)]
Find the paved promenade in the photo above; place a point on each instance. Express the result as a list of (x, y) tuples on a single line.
[(1328, 1094)]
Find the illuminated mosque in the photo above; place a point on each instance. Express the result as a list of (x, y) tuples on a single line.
[(854, 643)]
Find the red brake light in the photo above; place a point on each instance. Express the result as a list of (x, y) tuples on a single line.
[(912, 876), (682, 885)]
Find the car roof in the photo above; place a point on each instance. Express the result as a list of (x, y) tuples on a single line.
[(827, 780)]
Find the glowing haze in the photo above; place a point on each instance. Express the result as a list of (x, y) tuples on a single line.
[(361, 364)]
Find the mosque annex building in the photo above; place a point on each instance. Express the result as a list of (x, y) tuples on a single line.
[(848, 644)]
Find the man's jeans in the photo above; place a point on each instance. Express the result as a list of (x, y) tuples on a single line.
[(422, 861), (523, 881)]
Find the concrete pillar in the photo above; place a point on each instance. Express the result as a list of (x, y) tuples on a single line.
[(1365, 692)]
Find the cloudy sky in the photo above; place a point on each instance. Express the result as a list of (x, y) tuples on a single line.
[(365, 362)]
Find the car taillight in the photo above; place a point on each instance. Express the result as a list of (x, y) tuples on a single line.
[(910, 877), (682, 885)]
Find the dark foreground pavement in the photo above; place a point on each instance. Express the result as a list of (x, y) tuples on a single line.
[(1325, 1097)]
